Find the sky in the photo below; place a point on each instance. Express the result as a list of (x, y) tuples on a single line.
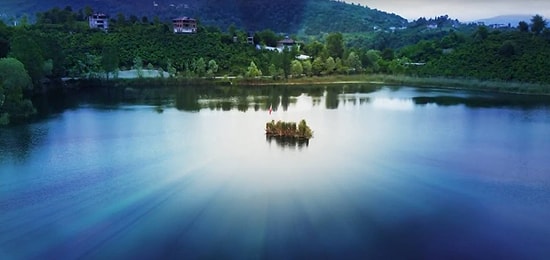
[(464, 10)]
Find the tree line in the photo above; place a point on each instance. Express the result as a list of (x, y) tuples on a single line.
[(520, 54)]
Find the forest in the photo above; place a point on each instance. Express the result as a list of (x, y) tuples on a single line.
[(60, 45), (289, 17)]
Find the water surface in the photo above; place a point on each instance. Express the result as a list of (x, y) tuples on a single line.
[(188, 173)]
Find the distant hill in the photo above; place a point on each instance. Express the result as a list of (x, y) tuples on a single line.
[(310, 16), (513, 20)]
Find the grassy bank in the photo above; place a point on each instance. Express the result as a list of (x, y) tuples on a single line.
[(431, 82), (468, 84)]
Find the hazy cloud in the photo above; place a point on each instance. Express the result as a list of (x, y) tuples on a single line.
[(464, 10)]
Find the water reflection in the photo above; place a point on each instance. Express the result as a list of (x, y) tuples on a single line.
[(331, 98), (187, 99), (393, 104), (286, 142), (278, 98), (54, 102), (16, 143), (485, 101)]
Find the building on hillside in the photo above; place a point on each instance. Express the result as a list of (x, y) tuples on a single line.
[(250, 38), (286, 43), (184, 25), (432, 26), (500, 26), (99, 21), (303, 57)]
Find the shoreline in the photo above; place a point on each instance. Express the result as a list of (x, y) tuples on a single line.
[(498, 87), (487, 86)]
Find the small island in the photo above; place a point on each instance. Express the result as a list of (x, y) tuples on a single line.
[(288, 130)]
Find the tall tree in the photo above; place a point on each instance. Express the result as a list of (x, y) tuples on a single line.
[(306, 65), (371, 62), (330, 65), (120, 19), (212, 68), (317, 66), (88, 11), (537, 24), (315, 49), (4, 47), (296, 68), (253, 71), (267, 37), (482, 33), (335, 45), (4, 116), (523, 26), (27, 51), (138, 66), (354, 62), (286, 61), (200, 67), (4, 42), (109, 59)]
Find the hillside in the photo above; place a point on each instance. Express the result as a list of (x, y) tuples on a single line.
[(310, 16), (498, 55)]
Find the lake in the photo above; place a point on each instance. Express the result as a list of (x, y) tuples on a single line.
[(391, 173)]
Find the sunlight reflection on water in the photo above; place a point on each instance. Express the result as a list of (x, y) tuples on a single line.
[(463, 176)]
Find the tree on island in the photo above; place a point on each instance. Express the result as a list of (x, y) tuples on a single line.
[(288, 129)]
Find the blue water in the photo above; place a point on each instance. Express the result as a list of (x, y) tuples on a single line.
[(391, 173)]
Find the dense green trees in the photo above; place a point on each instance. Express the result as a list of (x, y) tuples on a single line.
[(132, 43), (27, 51), (14, 80), (509, 56)]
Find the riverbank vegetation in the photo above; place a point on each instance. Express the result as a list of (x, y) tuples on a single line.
[(60, 46)]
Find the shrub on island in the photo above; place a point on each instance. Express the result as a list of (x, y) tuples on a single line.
[(288, 129)]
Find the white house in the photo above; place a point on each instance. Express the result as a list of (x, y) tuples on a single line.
[(99, 21), (184, 25)]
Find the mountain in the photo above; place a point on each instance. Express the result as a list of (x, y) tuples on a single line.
[(513, 20), (310, 16)]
